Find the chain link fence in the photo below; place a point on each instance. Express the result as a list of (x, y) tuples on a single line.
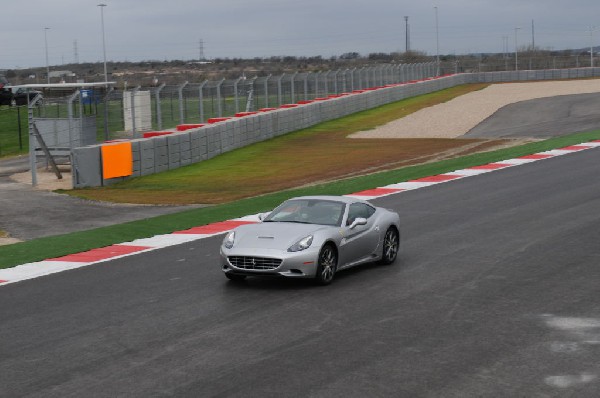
[(130, 111)]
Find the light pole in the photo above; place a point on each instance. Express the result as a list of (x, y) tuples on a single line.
[(505, 51), (102, 5), (592, 28), (47, 63), (437, 42), (407, 38), (516, 50)]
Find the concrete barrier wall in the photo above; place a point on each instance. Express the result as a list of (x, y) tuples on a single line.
[(168, 152)]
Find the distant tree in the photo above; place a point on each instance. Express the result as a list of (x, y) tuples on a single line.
[(352, 55), (380, 57)]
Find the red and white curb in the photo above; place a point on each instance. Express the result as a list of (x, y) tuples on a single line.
[(94, 256)]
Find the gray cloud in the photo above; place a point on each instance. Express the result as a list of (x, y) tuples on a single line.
[(162, 29)]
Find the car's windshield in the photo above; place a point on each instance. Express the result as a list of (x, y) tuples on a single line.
[(309, 211)]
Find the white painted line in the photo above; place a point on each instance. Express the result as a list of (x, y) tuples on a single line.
[(35, 270), (407, 186), (556, 152), (518, 162), (165, 240), (469, 173), (363, 197)]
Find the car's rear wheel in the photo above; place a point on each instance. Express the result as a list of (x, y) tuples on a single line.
[(391, 244), (235, 277), (327, 265)]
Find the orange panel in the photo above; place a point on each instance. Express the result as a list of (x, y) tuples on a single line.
[(117, 160)]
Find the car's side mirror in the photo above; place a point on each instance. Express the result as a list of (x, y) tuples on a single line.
[(262, 216), (358, 221)]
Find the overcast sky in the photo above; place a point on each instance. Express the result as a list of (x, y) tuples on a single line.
[(172, 29)]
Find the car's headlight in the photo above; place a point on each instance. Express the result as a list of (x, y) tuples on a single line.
[(302, 244), (229, 240)]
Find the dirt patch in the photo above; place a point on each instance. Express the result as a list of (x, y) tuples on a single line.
[(46, 179), (5, 239)]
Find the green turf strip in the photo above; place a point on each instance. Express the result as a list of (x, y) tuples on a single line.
[(55, 246)]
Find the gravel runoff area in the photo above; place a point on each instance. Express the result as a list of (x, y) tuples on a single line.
[(458, 116)]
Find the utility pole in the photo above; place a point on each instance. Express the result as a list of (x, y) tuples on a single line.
[(592, 28), (75, 52), (516, 50), (532, 36), (102, 5), (201, 50), (407, 34), (47, 62), (437, 42), (505, 51)]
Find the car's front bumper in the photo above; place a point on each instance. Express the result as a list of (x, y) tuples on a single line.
[(302, 264)]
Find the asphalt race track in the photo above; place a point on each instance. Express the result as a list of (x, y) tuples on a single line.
[(495, 294), (542, 118)]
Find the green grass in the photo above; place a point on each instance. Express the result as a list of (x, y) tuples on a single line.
[(10, 144), (43, 248)]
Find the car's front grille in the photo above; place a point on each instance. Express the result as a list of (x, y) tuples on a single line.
[(246, 262)]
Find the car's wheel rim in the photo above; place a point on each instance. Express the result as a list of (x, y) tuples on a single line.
[(390, 245), (327, 264)]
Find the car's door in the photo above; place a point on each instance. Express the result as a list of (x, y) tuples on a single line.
[(362, 240)]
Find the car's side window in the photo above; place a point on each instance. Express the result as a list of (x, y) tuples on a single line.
[(357, 210)]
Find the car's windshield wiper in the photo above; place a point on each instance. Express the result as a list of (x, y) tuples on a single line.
[(298, 222)]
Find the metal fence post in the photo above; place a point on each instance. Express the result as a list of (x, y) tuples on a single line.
[(109, 90), (335, 82), (250, 98), (32, 159), (181, 107), (306, 86), (317, 83), (201, 100), (267, 91), (279, 95), (70, 115), (235, 94), (293, 91), (133, 92), (159, 106), (327, 83), (219, 105)]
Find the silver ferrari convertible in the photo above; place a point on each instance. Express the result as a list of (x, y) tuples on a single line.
[(312, 237)]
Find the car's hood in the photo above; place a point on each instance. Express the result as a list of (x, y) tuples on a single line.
[(273, 235)]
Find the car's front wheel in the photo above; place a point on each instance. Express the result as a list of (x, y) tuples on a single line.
[(391, 244), (327, 265)]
